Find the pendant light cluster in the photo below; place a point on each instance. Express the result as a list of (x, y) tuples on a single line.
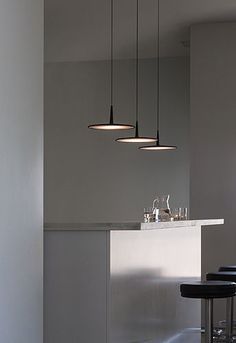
[(111, 125)]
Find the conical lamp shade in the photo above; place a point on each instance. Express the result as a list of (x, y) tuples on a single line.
[(111, 125), (158, 146), (136, 138)]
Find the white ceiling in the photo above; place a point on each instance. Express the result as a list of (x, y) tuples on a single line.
[(78, 30)]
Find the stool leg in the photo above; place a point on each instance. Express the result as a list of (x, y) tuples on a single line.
[(208, 320), (229, 317)]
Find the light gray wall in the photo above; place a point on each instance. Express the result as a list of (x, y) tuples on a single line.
[(213, 137), (89, 177), (80, 30), (21, 108)]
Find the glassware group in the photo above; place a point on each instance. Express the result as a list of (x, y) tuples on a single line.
[(161, 212)]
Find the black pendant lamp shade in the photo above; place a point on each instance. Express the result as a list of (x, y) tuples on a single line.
[(111, 125), (137, 138), (158, 146)]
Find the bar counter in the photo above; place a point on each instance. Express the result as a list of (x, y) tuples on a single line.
[(119, 282)]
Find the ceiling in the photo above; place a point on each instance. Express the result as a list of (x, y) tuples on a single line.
[(78, 30)]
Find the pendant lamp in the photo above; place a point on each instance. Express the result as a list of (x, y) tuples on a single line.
[(137, 138), (111, 125), (158, 146)]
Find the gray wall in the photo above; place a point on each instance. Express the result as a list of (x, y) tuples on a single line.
[(89, 177), (21, 102), (213, 134)]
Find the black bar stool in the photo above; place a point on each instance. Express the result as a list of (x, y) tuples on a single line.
[(208, 290), (227, 269), (226, 276)]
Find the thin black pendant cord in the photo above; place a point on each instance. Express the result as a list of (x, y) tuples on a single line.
[(158, 73), (137, 69), (187, 47), (111, 62)]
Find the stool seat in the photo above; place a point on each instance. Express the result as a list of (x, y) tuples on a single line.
[(227, 269), (208, 289), (222, 276)]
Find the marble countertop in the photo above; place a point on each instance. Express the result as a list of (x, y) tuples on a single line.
[(130, 225)]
